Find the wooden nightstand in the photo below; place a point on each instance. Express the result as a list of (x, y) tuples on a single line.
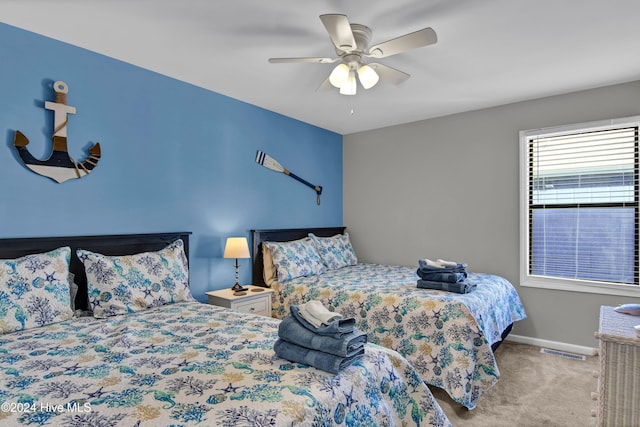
[(254, 302)]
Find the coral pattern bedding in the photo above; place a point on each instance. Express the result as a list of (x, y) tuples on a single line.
[(193, 364), (150, 355), (446, 336)]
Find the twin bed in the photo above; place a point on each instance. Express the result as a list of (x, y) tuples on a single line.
[(150, 355), (449, 338)]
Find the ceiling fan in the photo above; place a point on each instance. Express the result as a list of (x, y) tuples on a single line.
[(351, 42)]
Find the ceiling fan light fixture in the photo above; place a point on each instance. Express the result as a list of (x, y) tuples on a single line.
[(368, 76), (351, 43), (339, 76), (349, 87)]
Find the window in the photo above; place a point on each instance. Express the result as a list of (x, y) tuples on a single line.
[(579, 207)]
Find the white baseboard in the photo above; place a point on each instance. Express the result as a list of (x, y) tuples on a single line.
[(555, 345)]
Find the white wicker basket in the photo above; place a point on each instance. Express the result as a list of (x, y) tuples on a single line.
[(619, 381)]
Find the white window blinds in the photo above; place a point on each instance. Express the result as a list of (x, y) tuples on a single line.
[(583, 204)]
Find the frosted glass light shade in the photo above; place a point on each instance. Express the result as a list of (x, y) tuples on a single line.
[(368, 76), (339, 75), (349, 88)]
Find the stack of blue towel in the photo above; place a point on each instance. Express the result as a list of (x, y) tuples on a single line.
[(444, 275), (317, 337)]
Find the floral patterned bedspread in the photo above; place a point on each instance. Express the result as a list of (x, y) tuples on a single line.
[(446, 336), (194, 364)]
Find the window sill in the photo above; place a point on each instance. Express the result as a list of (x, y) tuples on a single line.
[(581, 286)]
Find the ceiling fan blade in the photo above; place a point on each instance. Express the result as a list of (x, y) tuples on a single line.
[(419, 38), (325, 86), (389, 74), (339, 30), (315, 60)]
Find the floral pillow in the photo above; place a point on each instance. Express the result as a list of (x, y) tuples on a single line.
[(130, 283), (336, 251), (34, 290), (296, 258)]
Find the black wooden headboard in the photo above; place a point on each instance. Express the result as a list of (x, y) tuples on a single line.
[(280, 235), (121, 244)]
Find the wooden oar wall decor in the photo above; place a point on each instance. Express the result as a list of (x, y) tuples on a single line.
[(269, 162), (59, 166)]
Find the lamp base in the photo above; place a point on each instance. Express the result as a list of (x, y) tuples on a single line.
[(238, 288)]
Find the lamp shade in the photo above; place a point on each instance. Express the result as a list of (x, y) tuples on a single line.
[(236, 247), (349, 87), (339, 75), (368, 76)]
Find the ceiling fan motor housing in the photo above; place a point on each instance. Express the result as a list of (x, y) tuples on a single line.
[(362, 36)]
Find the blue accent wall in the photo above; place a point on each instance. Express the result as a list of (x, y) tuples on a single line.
[(175, 157)]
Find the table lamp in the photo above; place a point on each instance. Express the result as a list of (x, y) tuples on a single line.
[(237, 247)]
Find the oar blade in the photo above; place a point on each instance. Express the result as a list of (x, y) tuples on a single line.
[(268, 162)]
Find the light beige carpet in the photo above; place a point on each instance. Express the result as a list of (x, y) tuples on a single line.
[(534, 390)]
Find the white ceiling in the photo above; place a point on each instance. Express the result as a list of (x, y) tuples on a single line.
[(489, 52)]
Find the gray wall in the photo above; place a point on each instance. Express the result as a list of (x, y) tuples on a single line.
[(449, 188)]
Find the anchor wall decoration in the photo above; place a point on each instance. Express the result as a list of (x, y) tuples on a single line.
[(59, 166)]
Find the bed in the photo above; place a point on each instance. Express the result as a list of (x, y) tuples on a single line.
[(174, 361), (449, 338)]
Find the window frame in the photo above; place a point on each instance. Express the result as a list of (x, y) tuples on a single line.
[(565, 284)]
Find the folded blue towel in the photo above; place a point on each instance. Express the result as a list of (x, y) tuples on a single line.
[(292, 331), (454, 274), (460, 287), (335, 328), (317, 359), (442, 277)]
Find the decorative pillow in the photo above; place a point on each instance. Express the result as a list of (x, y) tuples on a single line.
[(336, 251), (34, 290), (269, 272), (296, 258), (129, 283)]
